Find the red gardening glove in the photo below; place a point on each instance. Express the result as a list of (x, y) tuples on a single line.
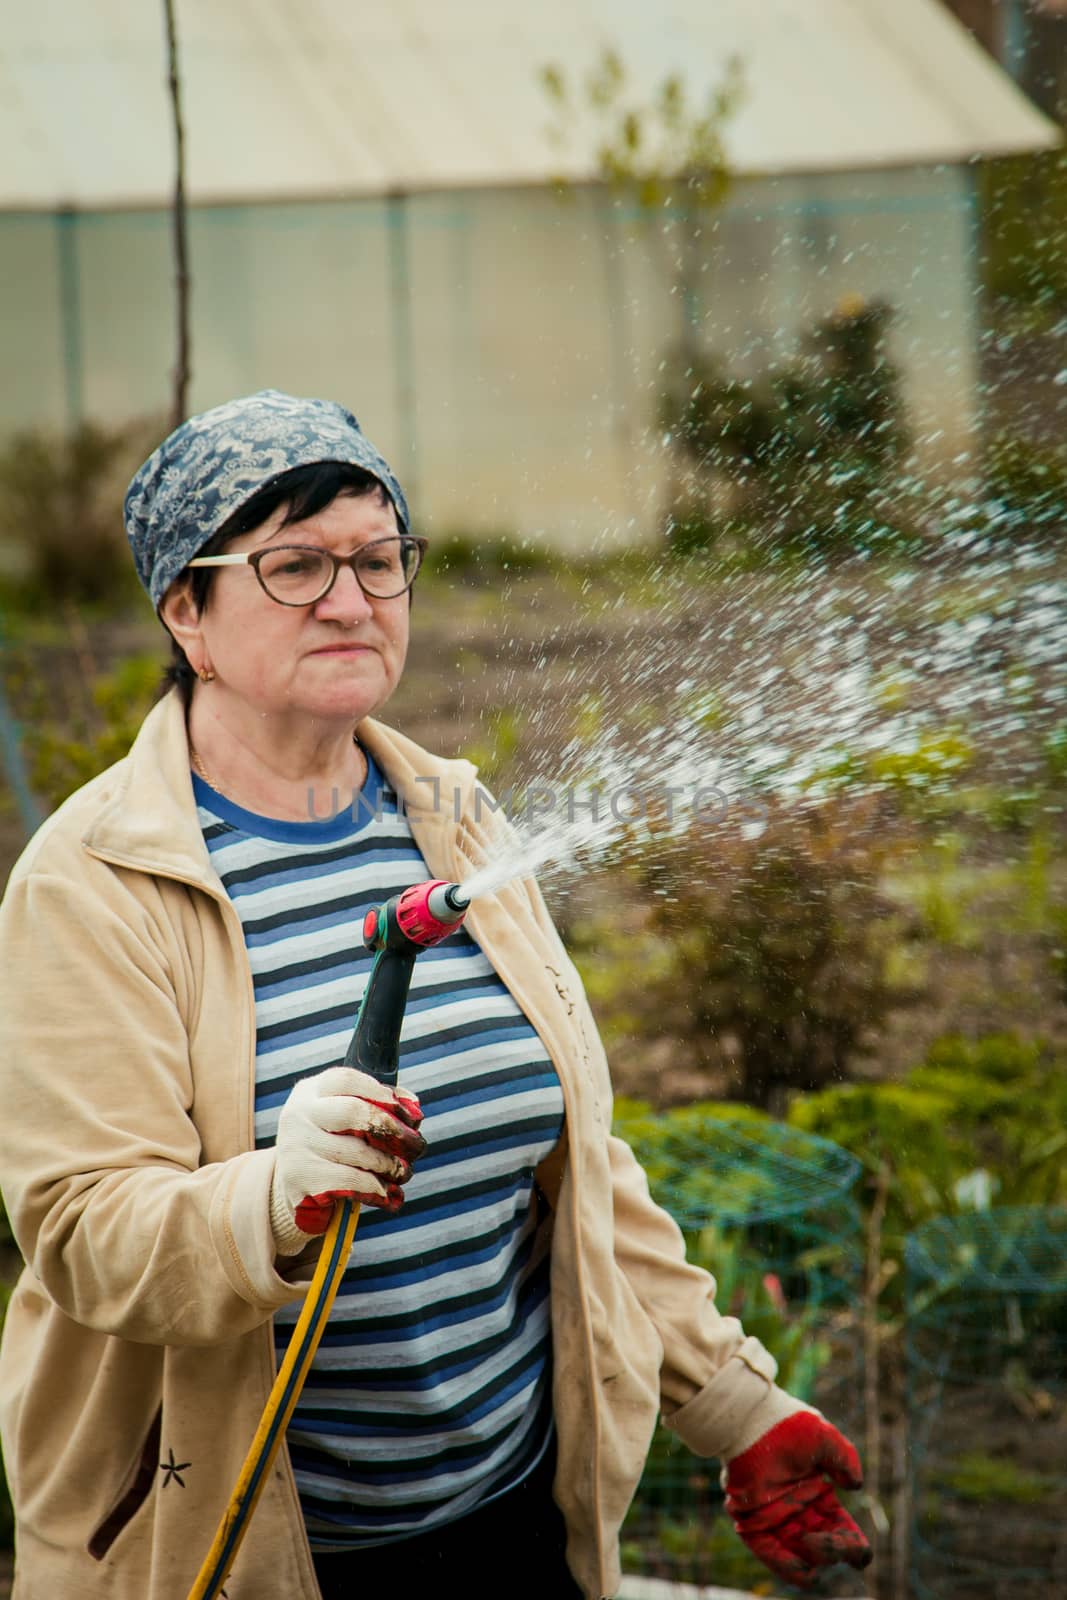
[(784, 1508)]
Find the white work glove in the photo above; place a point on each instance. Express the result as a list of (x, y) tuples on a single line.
[(341, 1135)]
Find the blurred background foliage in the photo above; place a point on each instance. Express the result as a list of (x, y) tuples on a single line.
[(61, 515), (1023, 212), (800, 458), (883, 960), (977, 1123)]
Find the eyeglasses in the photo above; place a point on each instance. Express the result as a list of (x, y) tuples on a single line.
[(300, 574)]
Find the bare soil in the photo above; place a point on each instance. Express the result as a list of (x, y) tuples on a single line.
[(528, 645)]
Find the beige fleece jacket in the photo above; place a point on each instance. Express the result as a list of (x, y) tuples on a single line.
[(138, 1338)]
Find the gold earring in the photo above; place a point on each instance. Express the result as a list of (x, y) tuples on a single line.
[(206, 675)]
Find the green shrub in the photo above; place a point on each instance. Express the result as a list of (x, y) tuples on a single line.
[(840, 392), (484, 556), (982, 1121), (747, 1288), (61, 513), (930, 769), (1029, 482), (798, 457), (61, 761), (665, 1143), (1023, 201), (691, 1166), (691, 531), (781, 941)]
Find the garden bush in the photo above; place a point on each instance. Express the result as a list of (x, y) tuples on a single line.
[(800, 456), (483, 558), (1023, 201), (1028, 482), (780, 941), (61, 758), (61, 513), (977, 1123)]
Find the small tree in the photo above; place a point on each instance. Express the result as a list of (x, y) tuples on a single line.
[(179, 219), (665, 155), (798, 456)]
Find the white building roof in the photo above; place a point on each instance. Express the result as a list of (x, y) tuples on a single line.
[(303, 98)]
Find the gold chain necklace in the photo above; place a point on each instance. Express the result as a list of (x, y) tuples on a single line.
[(202, 772)]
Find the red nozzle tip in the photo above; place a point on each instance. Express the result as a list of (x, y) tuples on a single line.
[(428, 912)]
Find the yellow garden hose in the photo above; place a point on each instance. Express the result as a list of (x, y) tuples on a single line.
[(336, 1247)]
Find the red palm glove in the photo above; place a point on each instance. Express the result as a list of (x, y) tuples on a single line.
[(784, 1509)]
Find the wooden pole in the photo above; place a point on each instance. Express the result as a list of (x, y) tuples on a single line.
[(178, 213)]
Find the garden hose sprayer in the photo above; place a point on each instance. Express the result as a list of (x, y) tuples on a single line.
[(396, 931)]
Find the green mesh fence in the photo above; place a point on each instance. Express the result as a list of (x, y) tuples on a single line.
[(768, 1210), (987, 1401)]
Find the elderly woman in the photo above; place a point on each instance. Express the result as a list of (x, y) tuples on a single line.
[(181, 969)]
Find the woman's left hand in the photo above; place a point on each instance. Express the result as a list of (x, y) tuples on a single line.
[(780, 1498)]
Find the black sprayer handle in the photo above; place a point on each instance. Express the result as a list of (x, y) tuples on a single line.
[(397, 932), (375, 1044)]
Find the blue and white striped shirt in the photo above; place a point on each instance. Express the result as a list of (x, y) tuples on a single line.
[(430, 1391)]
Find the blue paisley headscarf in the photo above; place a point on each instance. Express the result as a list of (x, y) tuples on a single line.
[(206, 470)]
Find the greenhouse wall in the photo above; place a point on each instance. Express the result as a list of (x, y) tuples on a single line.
[(503, 347)]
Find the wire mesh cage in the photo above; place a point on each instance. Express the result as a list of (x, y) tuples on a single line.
[(987, 1399), (768, 1209)]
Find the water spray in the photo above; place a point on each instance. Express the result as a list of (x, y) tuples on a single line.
[(396, 931)]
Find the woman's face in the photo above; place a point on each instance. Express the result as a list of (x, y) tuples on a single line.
[(338, 659)]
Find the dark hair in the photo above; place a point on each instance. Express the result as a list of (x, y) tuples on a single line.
[(304, 491)]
